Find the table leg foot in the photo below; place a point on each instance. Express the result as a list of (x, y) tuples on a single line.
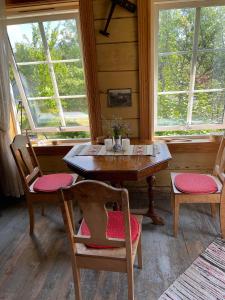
[(156, 220)]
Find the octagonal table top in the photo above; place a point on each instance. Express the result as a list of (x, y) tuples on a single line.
[(119, 168)]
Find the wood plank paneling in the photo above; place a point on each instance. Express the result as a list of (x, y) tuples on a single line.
[(131, 112), (53, 164), (132, 123), (194, 146), (187, 162), (118, 80), (121, 30), (117, 57), (117, 60), (193, 160), (102, 7)]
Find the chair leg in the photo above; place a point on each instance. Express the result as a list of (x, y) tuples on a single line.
[(213, 209), (130, 277), (70, 206), (176, 216), (222, 219), (139, 253), (76, 277), (31, 216)]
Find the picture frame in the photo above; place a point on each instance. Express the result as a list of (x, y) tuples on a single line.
[(119, 98)]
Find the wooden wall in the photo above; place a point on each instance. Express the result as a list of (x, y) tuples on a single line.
[(196, 158), (117, 58)]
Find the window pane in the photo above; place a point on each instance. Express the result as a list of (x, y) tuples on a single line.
[(208, 108), (174, 72), (20, 111), (26, 42), (45, 113), (36, 80), (172, 110), (70, 78), (63, 39), (75, 112), (210, 72), (176, 27), (35, 66), (212, 28)]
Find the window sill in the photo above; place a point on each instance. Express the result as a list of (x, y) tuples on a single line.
[(193, 146), (204, 145), (56, 147)]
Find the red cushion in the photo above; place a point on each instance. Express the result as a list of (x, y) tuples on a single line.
[(115, 228), (52, 182), (195, 183)]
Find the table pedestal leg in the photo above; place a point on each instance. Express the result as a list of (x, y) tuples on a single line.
[(157, 220), (118, 185)]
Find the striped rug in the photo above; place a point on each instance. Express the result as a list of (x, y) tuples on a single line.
[(204, 279)]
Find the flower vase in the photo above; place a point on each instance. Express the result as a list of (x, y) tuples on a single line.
[(117, 147)]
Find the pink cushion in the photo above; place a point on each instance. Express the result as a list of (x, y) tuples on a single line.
[(52, 182), (115, 228), (195, 183)]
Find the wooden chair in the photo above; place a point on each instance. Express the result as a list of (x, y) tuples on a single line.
[(218, 196), (32, 176), (92, 197)]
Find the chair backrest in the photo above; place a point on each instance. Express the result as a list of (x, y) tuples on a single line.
[(219, 167), (92, 197), (25, 159)]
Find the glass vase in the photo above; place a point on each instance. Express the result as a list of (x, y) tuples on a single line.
[(117, 147)]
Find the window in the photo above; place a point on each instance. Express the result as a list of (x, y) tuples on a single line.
[(190, 75), (47, 75)]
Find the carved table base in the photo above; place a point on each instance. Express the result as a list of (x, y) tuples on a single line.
[(156, 219)]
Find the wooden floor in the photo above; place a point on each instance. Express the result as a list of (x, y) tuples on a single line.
[(39, 267)]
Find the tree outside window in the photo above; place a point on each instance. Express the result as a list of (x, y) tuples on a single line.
[(47, 77), (191, 71)]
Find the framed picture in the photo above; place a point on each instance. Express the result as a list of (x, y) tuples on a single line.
[(119, 98)]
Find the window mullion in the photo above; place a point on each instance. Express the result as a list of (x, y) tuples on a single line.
[(14, 112), (193, 66), (52, 73), (41, 62)]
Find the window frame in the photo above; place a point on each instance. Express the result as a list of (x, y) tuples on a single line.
[(154, 9), (37, 18)]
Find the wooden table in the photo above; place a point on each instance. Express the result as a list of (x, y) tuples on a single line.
[(118, 169)]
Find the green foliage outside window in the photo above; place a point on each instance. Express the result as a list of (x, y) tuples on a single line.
[(63, 42), (175, 59)]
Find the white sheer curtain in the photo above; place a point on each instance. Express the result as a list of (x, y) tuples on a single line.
[(9, 177)]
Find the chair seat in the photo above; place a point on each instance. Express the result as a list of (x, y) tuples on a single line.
[(191, 183), (53, 182), (115, 228), (82, 249)]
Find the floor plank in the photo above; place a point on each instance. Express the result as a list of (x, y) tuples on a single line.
[(39, 267)]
